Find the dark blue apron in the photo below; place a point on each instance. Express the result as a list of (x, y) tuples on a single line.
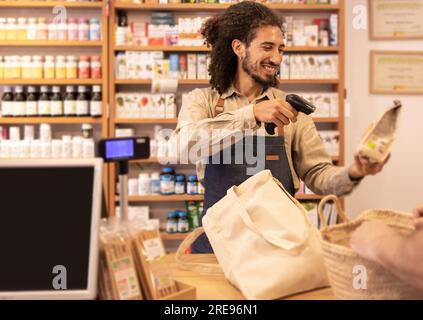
[(218, 178)]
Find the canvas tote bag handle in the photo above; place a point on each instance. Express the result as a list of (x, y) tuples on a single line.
[(276, 240)]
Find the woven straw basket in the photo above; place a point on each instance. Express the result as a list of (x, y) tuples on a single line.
[(340, 259), (202, 263)]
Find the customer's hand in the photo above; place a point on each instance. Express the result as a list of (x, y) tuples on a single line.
[(418, 214), (368, 239), (275, 111), (363, 167)]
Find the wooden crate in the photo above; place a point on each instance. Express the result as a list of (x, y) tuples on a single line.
[(185, 292)]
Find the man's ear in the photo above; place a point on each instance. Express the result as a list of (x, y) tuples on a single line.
[(239, 48)]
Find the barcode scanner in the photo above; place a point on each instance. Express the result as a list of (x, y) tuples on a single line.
[(299, 104)]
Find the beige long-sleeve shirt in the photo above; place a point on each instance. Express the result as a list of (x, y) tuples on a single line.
[(307, 157)]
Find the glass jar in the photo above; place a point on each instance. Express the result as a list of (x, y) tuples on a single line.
[(62, 30), (95, 67), (192, 185), (94, 30), (11, 29), (155, 183), (3, 29), (44, 102), (49, 72), (71, 67), (16, 67), (52, 30), (37, 67), (84, 67), (21, 29), (180, 184), (82, 102), (167, 181), (172, 222), (144, 186), (83, 29), (26, 67), (72, 29), (183, 225), (56, 102), (32, 29), (42, 30), (69, 103), (60, 67), (32, 102)]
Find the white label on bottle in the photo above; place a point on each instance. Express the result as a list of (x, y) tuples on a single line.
[(6, 107), (31, 108), (82, 107), (44, 107), (70, 107), (95, 108), (19, 108), (56, 108)]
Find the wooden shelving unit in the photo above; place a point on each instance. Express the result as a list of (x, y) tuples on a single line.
[(100, 46)]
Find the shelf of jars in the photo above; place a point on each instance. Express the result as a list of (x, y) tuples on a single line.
[(71, 86), (195, 7), (49, 4)]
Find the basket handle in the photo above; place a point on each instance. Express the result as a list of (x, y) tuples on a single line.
[(322, 203)]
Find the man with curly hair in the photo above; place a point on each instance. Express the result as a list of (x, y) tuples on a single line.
[(247, 45)]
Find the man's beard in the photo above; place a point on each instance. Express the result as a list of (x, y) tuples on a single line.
[(265, 83)]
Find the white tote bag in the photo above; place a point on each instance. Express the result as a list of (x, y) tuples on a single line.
[(264, 240)]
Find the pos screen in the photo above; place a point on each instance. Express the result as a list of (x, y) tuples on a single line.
[(119, 149)]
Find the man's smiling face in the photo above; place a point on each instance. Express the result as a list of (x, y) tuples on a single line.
[(264, 56)]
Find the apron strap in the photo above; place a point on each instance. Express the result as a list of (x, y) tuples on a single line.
[(218, 109)]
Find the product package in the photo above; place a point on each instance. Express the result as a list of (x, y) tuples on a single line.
[(377, 142), (132, 264)]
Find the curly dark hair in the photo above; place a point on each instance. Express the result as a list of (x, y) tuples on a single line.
[(240, 21)]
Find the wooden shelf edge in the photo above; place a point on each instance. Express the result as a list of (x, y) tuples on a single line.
[(48, 4), (145, 121), (173, 236), (196, 82), (52, 43), (58, 120), (50, 81), (217, 6), (160, 198)]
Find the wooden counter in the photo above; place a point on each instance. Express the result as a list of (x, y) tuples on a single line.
[(216, 287)]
